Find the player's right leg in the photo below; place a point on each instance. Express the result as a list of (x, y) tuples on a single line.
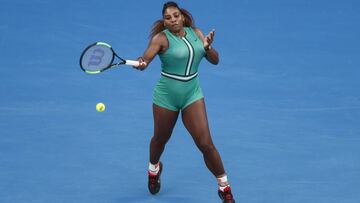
[(164, 122)]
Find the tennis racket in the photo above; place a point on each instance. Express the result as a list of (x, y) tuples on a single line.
[(99, 57)]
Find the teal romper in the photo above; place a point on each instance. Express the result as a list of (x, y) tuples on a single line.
[(179, 85)]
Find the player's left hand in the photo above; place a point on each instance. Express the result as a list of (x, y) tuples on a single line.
[(209, 39)]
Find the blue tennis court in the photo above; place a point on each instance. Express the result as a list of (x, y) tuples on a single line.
[(283, 103)]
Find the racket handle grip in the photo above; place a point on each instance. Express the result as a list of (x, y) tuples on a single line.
[(132, 63)]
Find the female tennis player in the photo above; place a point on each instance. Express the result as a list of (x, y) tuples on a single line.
[(181, 46)]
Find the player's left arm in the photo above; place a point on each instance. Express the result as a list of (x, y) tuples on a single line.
[(211, 54)]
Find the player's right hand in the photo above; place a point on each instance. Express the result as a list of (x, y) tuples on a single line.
[(142, 64)]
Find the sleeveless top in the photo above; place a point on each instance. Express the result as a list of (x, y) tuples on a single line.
[(182, 58)]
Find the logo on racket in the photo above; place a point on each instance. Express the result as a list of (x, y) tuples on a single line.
[(96, 57)]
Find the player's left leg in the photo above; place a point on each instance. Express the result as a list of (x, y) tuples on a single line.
[(195, 120)]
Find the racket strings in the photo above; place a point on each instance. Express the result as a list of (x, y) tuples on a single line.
[(97, 57)]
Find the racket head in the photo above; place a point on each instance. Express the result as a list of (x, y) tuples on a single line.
[(97, 57)]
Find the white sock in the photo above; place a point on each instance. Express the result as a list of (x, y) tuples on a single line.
[(223, 182), (154, 169)]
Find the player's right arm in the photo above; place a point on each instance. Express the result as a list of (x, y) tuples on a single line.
[(157, 44)]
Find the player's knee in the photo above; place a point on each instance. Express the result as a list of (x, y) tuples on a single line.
[(206, 148), (160, 139)]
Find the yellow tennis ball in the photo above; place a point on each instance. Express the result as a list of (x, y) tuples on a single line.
[(100, 107)]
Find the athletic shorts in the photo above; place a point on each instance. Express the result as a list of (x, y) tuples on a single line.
[(176, 95)]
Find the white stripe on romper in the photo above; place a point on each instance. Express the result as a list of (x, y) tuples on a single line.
[(191, 57)]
